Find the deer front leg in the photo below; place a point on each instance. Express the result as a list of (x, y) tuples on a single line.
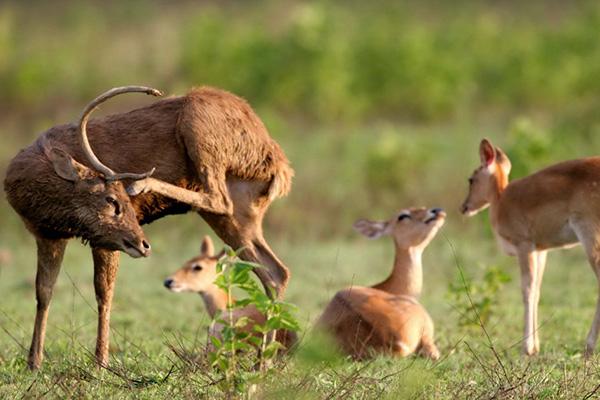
[(106, 265), (50, 256), (541, 266), (527, 262), (199, 201)]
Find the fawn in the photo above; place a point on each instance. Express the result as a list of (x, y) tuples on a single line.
[(552, 208), (198, 275), (387, 317)]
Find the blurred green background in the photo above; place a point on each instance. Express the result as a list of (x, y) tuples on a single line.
[(379, 105)]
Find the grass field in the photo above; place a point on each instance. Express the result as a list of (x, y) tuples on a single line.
[(379, 106), (147, 319)]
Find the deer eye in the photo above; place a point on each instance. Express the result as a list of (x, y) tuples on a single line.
[(196, 267), (403, 217), (115, 204)]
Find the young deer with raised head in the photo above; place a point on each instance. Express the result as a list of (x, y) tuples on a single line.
[(555, 207), (208, 152), (387, 317), (198, 275)]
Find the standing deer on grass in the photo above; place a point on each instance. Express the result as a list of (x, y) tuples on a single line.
[(552, 208), (208, 152), (387, 317), (198, 275)]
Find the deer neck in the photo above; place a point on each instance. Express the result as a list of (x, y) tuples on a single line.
[(499, 184), (407, 275), (215, 300)]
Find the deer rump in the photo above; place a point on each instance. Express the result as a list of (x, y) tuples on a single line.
[(366, 321), (208, 141)]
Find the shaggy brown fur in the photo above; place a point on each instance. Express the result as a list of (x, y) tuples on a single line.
[(212, 154)]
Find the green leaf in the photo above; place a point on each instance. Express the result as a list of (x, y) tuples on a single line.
[(215, 341), (241, 322)]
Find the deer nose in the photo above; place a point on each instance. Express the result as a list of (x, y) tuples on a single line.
[(168, 282), (464, 208), (146, 245)]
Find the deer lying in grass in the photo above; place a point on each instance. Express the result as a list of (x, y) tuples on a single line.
[(387, 317), (198, 275), (552, 208), (209, 152)]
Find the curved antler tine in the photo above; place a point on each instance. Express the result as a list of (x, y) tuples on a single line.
[(87, 149), (127, 175)]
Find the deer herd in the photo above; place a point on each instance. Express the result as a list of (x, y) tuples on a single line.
[(210, 153)]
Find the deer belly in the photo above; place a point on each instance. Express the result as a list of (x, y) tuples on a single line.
[(562, 237), (506, 246)]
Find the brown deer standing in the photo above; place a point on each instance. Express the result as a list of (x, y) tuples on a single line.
[(210, 153), (552, 208), (387, 317), (198, 276)]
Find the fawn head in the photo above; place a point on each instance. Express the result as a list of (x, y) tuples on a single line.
[(413, 227), (198, 274), (487, 179)]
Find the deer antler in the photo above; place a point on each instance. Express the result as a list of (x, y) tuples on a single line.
[(87, 149)]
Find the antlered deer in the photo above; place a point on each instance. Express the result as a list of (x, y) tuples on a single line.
[(59, 198), (198, 275), (554, 207), (209, 153), (387, 317)]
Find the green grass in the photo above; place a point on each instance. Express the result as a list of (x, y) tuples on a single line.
[(379, 106), (147, 319)]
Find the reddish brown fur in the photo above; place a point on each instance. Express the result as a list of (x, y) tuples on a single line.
[(387, 317), (555, 207), (367, 321), (208, 147)]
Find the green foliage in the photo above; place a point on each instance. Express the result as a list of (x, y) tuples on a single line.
[(329, 61), (529, 147), (476, 300), (246, 350), (379, 105)]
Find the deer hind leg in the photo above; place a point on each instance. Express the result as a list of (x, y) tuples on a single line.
[(427, 345), (540, 268), (106, 265), (429, 349), (50, 256), (588, 236), (528, 263), (200, 201)]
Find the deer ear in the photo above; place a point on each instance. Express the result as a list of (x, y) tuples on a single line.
[(371, 229), (65, 166), (487, 153), (502, 158), (207, 248)]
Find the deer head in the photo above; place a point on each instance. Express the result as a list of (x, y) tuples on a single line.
[(410, 228), (98, 204), (198, 274), (487, 180)]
